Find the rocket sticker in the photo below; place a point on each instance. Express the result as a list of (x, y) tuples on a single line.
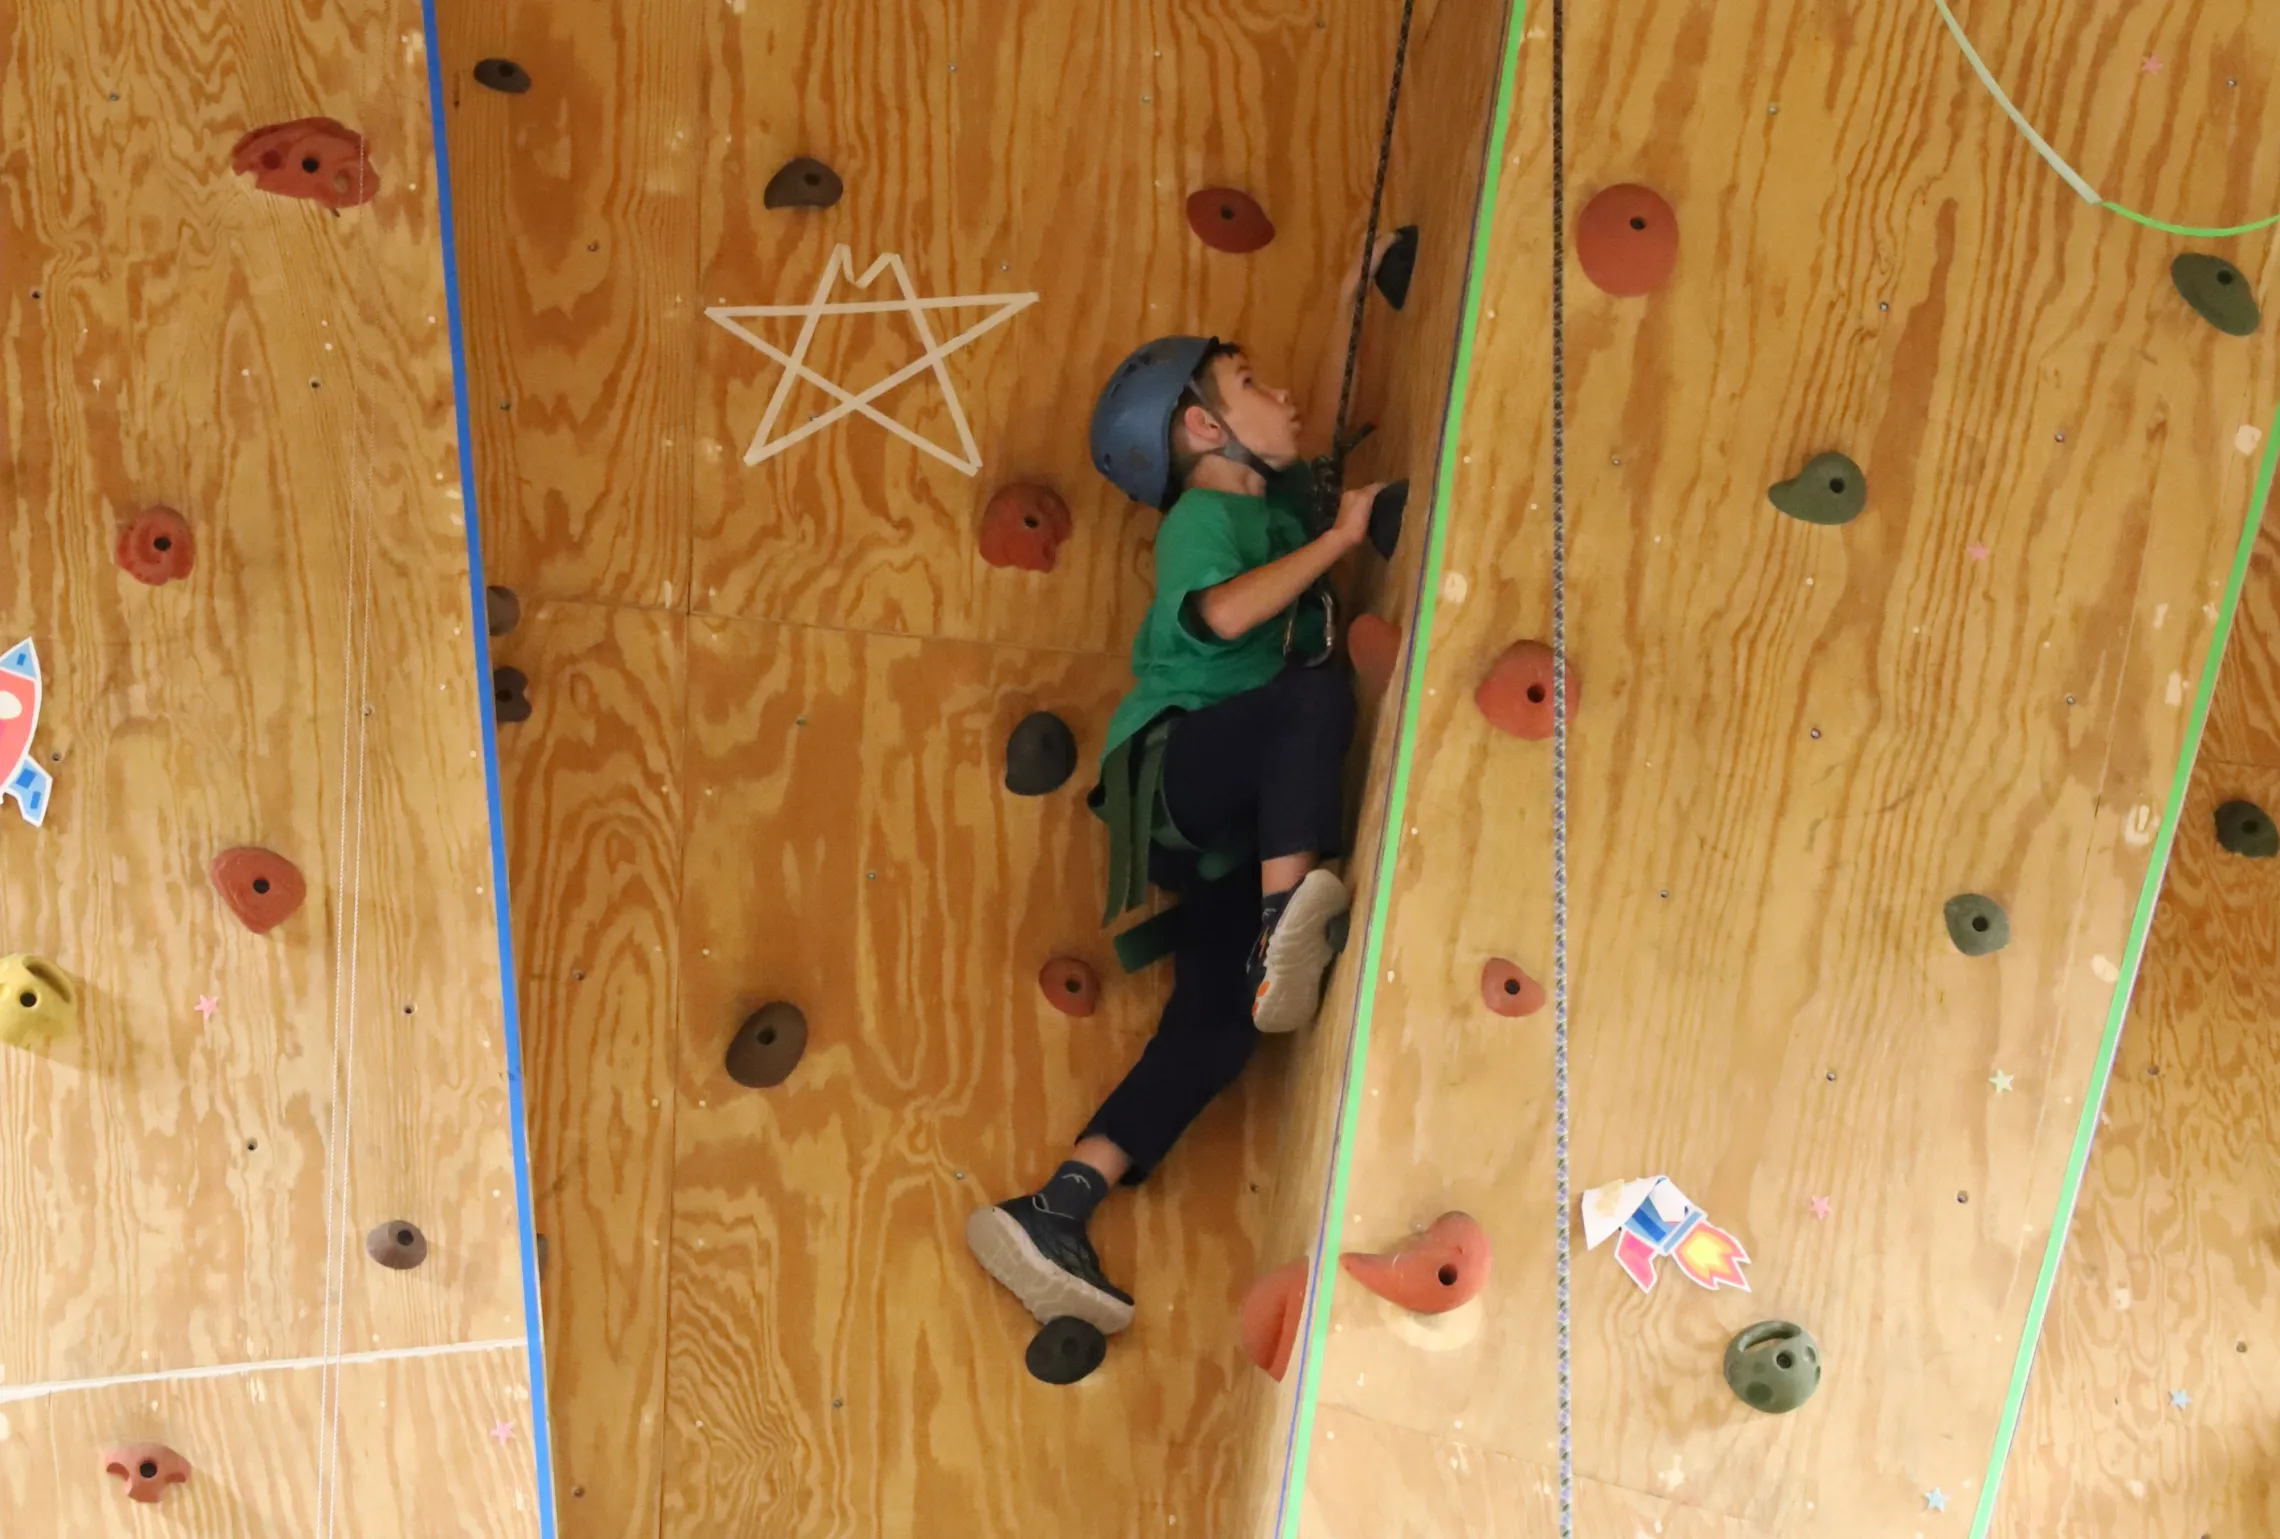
[(1654, 1219), (20, 774)]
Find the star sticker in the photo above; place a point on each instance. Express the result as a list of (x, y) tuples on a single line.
[(504, 1433), (2153, 64), (1935, 1500), (1976, 551), (206, 1006), (2001, 1082), (1820, 1206), (764, 446), (2180, 1399)]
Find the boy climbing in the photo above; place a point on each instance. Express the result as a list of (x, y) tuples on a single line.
[(1222, 776)]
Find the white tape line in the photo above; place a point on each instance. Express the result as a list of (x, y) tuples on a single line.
[(11, 1394), (1987, 78)]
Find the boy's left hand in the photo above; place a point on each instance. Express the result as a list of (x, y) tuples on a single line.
[(1362, 272), (1353, 523)]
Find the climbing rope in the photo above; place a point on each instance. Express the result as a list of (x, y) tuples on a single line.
[(1560, 759), (1339, 446)]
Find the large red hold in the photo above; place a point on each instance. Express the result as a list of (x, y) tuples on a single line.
[(1516, 697), (147, 1468), (313, 158), (1023, 526), (262, 887), (1227, 220), (1437, 1271), (1627, 240), (1268, 1323), (1375, 647), (1505, 989), (156, 546), (1070, 985)]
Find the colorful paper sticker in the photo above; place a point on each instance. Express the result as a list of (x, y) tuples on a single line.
[(20, 774), (1654, 1219)]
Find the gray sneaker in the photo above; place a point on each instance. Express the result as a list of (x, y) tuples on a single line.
[(1291, 963), (1047, 1260)]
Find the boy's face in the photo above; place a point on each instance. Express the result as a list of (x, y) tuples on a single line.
[(1260, 415)]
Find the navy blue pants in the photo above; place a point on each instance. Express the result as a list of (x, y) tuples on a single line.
[(1266, 768)]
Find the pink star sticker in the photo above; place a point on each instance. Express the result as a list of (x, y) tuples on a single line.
[(1976, 551), (504, 1432), (2153, 64), (206, 1006), (1820, 1206)]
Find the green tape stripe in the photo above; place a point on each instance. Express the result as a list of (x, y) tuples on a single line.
[(2200, 232), (2093, 1103), (1397, 796)]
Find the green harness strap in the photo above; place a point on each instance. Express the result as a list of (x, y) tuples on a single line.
[(1137, 818)]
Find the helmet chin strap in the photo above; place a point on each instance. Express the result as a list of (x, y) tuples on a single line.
[(1235, 449)]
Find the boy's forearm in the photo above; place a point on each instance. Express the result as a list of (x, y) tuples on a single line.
[(1242, 604)]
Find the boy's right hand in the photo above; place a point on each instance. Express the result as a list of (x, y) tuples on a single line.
[(1353, 524)]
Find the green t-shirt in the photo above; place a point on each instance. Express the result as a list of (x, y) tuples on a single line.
[(1206, 539)]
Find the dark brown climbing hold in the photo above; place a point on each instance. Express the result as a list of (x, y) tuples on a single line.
[(262, 887), (1505, 989), (1070, 985), (1387, 510), (397, 1245), (1023, 526), (1627, 240), (1831, 489), (1227, 220), (1397, 267), (1977, 924), (156, 546), (768, 1046), (803, 183), (1432, 1273), (1268, 1321), (2244, 828), (1065, 1350), (510, 694), (502, 75), (313, 158), (147, 1468), (1375, 647), (1516, 697), (1040, 756), (2217, 291), (502, 611)]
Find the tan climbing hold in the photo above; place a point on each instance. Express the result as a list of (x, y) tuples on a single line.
[(262, 887), (1375, 647), (1516, 696), (39, 1003), (1268, 1321), (147, 1468), (1437, 1271), (1509, 991), (1070, 985)]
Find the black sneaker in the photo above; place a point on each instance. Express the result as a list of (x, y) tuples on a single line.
[(1047, 1259), (1291, 963)]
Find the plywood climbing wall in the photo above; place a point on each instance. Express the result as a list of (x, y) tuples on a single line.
[(1796, 742), (190, 1175)]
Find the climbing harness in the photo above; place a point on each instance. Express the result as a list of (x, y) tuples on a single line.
[(1560, 762)]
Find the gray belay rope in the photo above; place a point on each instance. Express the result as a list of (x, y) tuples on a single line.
[(1560, 759)]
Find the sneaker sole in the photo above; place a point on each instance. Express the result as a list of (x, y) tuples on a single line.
[(1007, 1253), (1300, 954)]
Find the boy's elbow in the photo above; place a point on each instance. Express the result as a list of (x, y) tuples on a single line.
[(1218, 616)]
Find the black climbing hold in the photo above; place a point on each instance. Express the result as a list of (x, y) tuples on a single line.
[(1397, 266), (2246, 829), (1066, 1350), (502, 611), (1040, 756), (1385, 517), (1829, 490), (1977, 924), (502, 75), (2217, 291), (510, 694), (803, 183), (768, 1046), (1774, 1366), (397, 1245)]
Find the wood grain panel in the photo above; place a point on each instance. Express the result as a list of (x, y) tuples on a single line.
[(1795, 744), (2244, 719)]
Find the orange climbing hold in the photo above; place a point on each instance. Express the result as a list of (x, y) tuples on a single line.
[(1516, 696), (1269, 1319), (1627, 240), (313, 158), (147, 1468), (1070, 985), (1023, 526), (156, 546), (1375, 647), (1509, 991), (1437, 1271), (1227, 220), (262, 887)]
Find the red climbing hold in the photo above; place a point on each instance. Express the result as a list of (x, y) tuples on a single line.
[(1375, 647), (261, 887), (1509, 991), (1627, 240), (1227, 220), (313, 158), (1070, 985), (147, 1468), (1517, 694), (1437, 1271), (1023, 526), (1269, 1319), (156, 546)]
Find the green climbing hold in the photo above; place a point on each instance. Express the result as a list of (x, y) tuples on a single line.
[(1774, 1366), (2217, 290), (1977, 924), (2246, 829), (1829, 490)]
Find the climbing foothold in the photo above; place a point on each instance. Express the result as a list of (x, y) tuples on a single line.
[(1268, 1321), (1433, 1273), (1517, 694), (502, 611), (1040, 756), (1505, 989), (1070, 985), (1375, 647), (313, 158), (1065, 1350), (1386, 511), (768, 1046), (510, 694), (156, 546), (502, 75), (1977, 924), (1774, 1366), (539, 1245), (39, 1002), (1396, 268), (397, 1245), (2244, 828), (1023, 526), (1627, 240), (147, 1468), (261, 887), (1227, 220), (2217, 291), (1829, 490), (803, 183)]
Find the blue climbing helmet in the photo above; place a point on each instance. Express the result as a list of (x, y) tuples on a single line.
[(1132, 420)]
